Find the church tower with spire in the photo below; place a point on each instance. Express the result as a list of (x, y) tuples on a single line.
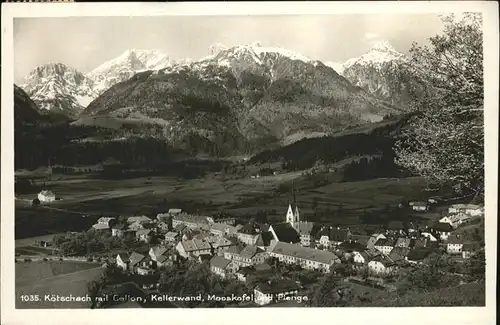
[(292, 215)]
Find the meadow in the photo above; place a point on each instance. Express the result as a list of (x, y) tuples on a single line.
[(84, 199), (59, 278)]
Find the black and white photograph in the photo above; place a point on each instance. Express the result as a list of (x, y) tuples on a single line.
[(250, 160)]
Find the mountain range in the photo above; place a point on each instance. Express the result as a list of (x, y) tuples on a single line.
[(236, 98)]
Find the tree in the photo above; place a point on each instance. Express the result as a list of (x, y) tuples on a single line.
[(93, 288), (427, 277), (476, 266), (330, 292), (443, 140)]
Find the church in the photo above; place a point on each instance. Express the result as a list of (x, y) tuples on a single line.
[(293, 230)]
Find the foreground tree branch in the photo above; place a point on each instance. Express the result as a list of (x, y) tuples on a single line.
[(445, 140)]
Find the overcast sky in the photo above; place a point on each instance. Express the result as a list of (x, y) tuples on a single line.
[(86, 42)]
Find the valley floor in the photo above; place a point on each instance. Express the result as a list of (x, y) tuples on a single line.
[(84, 198)]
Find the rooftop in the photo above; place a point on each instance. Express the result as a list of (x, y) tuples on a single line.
[(140, 219), (385, 242), (136, 258), (100, 226), (304, 253), (334, 234), (285, 233), (219, 262)]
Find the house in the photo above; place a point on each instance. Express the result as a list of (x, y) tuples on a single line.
[(305, 230), (249, 233), (399, 253), (244, 272), (308, 258), (222, 229), (360, 257), (46, 196), (144, 235), (419, 206), (164, 217), (361, 239), (363, 257), (172, 237), (385, 246), (403, 242), (193, 247), (452, 220), (139, 220), (381, 264), (227, 221), (100, 227), (118, 230), (351, 246), (104, 223), (284, 232), (122, 261), (472, 210), (331, 237), (221, 266), (428, 235), (470, 249), (373, 239), (135, 226), (189, 220), (417, 255), (220, 244), (109, 221), (443, 229), (249, 255), (454, 244), (163, 227), (264, 239), (418, 243), (174, 211), (160, 256), (180, 228), (275, 291), (132, 262)]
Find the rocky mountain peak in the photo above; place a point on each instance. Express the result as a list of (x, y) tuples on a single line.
[(383, 46)]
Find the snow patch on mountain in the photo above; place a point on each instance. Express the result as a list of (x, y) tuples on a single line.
[(55, 86), (380, 53), (126, 65), (337, 66)]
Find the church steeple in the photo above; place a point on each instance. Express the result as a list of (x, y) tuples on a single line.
[(292, 215)]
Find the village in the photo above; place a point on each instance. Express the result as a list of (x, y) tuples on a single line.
[(236, 251)]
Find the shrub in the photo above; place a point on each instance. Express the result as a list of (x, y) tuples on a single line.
[(27, 259), (90, 259), (45, 259)]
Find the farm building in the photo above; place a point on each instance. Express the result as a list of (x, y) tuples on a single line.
[(46, 196)]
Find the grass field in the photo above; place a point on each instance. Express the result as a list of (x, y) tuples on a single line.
[(33, 250), (54, 278), (93, 197)]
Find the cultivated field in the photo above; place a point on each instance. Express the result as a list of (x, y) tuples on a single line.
[(59, 278)]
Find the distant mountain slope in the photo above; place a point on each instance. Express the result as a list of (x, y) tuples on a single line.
[(25, 110), (125, 66), (383, 72), (58, 88), (238, 98)]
